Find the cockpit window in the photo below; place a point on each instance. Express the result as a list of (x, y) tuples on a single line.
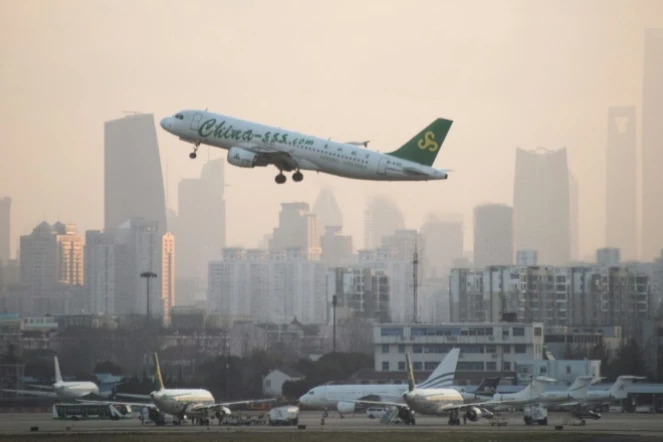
[(311, 392), (179, 116)]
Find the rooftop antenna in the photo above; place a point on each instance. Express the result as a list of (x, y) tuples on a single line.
[(415, 264)]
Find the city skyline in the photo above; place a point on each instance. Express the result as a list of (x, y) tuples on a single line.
[(569, 104)]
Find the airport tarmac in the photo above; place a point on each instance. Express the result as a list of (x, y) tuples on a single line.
[(630, 424)]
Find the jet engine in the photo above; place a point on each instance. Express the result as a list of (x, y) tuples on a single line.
[(473, 414), (345, 407), (243, 158)]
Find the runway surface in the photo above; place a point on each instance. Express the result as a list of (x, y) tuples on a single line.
[(627, 424)]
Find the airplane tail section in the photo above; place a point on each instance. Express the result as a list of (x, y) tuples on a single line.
[(535, 389), (411, 385), (157, 374), (487, 387), (619, 389), (58, 374), (580, 385), (444, 374), (424, 147)]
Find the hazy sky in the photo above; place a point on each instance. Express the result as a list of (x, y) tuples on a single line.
[(509, 73)]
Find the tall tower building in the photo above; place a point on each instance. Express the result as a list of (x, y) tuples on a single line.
[(5, 229), (652, 145), (99, 270), (138, 250), (133, 182), (201, 221), (574, 214), (445, 243), (167, 275), (621, 211), (327, 209), (493, 235), (385, 218), (541, 205), (298, 228)]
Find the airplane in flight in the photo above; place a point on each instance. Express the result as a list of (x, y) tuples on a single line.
[(181, 403), (449, 402), (65, 391), (252, 145)]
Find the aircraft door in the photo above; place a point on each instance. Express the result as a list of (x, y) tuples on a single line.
[(195, 121), (382, 166)]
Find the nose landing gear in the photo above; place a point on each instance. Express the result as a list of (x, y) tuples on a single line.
[(193, 154)]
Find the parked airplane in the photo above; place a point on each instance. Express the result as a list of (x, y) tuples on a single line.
[(181, 403), (449, 402), (591, 399), (251, 145), (577, 390), (65, 391), (343, 397)]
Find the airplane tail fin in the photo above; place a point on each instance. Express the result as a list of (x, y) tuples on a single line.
[(621, 386), (410, 373), (157, 373), (58, 374), (488, 386), (536, 388), (581, 384), (424, 147), (444, 374)]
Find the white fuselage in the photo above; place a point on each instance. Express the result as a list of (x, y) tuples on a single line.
[(177, 402), (74, 390), (328, 396), (431, 400), (310, 153)]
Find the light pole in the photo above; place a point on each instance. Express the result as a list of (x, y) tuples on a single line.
[(148, 275)]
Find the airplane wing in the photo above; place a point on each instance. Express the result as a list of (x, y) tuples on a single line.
[(32, 392), (281, 159), (135, 396)]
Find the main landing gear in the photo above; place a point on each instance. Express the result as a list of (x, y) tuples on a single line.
[(193, 154), (296, 177)]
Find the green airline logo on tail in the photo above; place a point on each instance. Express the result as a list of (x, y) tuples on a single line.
[(424, 147)]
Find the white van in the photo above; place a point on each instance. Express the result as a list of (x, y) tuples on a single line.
[(375, 412)]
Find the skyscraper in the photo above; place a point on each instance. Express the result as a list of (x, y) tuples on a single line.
[(298, 228), (541, 204), (201, 221), (327, 209), (445, 243), (382, 218), (493, 235), (652, 145), (99, 270), (133, 182), (5, 229), (574, 214), (621, 228)]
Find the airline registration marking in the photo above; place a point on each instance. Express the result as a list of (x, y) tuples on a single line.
[(210, 128)]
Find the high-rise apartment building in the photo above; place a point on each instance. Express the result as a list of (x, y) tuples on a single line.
[(167, 275), (99, 272), (493, 235), (621, 181), (5, 229), (541, 204), (133, 182), (652, 145), (201, 221)]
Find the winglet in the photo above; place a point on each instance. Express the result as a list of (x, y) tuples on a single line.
[(157, 369)]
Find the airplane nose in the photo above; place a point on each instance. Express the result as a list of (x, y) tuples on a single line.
[(164, 122)]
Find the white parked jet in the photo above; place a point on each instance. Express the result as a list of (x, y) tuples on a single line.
[(65, 391), (578, 390), (449, 402), (254, 145), (344, 397), (617, 392), (181, 403)]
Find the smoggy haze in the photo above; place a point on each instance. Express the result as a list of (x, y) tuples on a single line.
[(509, 73)]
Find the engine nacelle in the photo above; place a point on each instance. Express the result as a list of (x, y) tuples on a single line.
[(242, 158), (346, 407), (473, 414)]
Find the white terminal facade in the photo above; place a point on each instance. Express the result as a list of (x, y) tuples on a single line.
[(484, 346)]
